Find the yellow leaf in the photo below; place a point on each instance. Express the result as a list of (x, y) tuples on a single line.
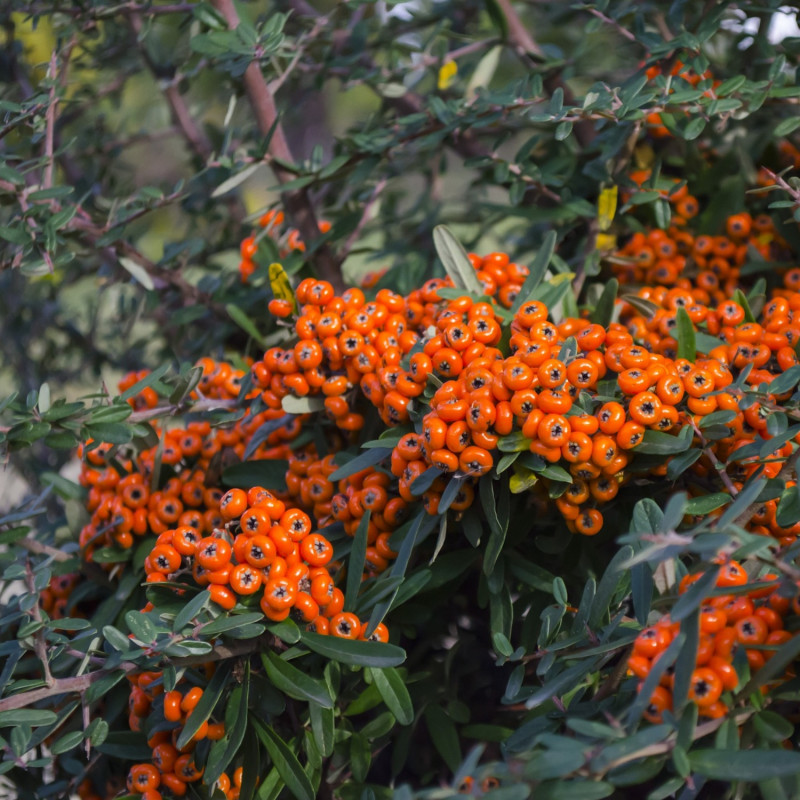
[(281, 288), (522, 480), (562, 277), (447, 74), (644, 156), (605, 241), (607, 207)]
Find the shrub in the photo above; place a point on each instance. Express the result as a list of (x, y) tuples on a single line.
[(462, 460)]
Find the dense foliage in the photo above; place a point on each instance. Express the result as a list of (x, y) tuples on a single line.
[(399, 404)]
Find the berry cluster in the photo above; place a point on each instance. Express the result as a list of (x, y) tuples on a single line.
[(752, 621), (171, 767)]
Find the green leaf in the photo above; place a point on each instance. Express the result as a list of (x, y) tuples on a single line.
[(694, 128), (358, 653), (537, 270), (444, 735), (577, 789), (230, 622), (706, 503), (498, 522), (745, 765), (271, 474), (205, 706), (235, 726), (355, 564), (604, 310), (608, 584), (140, 626), (658, 443), (787, 126), (705, 343), (456, 261), (286, 763), (687, 348), (67, 742), (32, 717), (394, 693), (366, 459), (323, 727), (295, 683), (772, 726), (192, 608), (245, 323), (235, 180)]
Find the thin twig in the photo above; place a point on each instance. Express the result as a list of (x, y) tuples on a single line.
[(50, 124), (518, 34), (620, 29), (668, 745), (80, 683), (34, 546), (39, 643)]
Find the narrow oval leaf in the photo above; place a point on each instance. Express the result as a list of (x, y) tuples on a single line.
[(394, 694), (456, 261), (295, 683), (285, 761), (360, 654), (745, 765)]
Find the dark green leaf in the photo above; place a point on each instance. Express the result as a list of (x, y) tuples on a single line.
[(235, 726), (271, 474), (190, 611), (286, 763), (394, 693), (205, 706), (295, 683), (604, 310), (537, 271), (685, 334), (323, 728), (358, 653), (444, 735), (665, 444), (355, 564), (368, 458)]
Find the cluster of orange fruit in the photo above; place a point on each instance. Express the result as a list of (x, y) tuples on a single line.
[(661, 257), (172, 767), (287, 240), (752, 621), (263, 549), (123, 503)]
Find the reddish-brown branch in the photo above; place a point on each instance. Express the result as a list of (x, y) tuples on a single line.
[(297, 202)]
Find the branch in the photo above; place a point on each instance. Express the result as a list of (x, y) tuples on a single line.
[(34, 546), (297, 202), (518, 34), (668, 745), (39, 643), (81, 683)]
